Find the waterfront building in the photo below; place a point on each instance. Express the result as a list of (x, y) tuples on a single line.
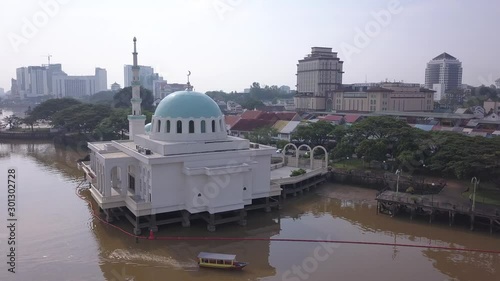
[(318, 75), (183, 162), (443, 72), (39, 81), (386, 96)]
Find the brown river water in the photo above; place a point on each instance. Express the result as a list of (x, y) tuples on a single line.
[(58, 239)]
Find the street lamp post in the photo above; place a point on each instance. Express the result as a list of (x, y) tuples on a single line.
[(398, 172), (474, 181)]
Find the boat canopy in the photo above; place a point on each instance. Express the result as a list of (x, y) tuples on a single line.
[(215, 256)]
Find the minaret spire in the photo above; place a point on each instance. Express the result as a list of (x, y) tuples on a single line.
[(189, 87), (136, 119)]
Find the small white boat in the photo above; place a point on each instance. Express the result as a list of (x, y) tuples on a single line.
[(221, 261)]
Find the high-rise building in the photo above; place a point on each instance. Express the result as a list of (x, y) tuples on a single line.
[(443, 73), (38, 81), (147, 76), (32, 81), (318, 75), (52, 71), (101, 76), (2, 91), (64, 85)]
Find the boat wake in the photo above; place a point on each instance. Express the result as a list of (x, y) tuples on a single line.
[(142, 257)]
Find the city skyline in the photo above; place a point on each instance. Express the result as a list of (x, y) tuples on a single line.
[(227, 45)]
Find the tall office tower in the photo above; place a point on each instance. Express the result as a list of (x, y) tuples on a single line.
[(318, 75)]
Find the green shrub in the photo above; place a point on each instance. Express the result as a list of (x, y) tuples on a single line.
[(297, 172)]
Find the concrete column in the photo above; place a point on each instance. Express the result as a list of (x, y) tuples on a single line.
[(268, 207), (185, 218), (107, 181), (123, 179), (152, 223), (114, 177), (137, 230), (242, 221), (211, 223), (137, 178)]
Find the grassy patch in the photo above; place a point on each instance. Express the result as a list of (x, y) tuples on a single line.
[(485, 194), (351, 164)]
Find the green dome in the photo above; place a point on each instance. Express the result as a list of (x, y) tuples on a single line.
[(147, 128), (187, 104)]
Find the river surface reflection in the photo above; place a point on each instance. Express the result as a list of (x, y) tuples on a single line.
[(58, 239)]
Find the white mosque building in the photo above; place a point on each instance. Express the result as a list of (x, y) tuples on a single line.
[(182, 163)]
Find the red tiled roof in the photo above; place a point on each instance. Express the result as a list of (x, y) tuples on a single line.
[(268, 116), (231, 119), (272, 108), (251, 114), (248, 125), (351, 118), (330, 118), (285, 115)]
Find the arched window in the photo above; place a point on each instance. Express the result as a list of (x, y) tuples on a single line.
[(159, 125), (191, 127), (213, 126), (220, 124), (168, 126), (203, 127), (179, 127)]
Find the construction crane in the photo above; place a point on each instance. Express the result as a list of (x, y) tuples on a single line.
[(48, 59)]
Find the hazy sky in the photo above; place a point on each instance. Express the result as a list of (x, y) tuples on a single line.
[(228, 44)]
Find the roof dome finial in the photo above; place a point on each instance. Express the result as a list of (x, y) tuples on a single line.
[(189, 87)]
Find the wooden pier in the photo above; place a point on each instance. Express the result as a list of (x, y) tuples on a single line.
[(393, 203)]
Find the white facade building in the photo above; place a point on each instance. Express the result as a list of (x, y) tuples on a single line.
[(162, 89), (440, 91), (79, 86), (183, 161), (32, 81)]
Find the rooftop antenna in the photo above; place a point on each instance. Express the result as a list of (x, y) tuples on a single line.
[(366, 78), (48, 59)]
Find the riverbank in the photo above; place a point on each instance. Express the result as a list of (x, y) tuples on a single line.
[(344, 192), (454, 190)]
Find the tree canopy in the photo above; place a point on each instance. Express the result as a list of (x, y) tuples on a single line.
[(121, 99), (83, 118), (47, 109)]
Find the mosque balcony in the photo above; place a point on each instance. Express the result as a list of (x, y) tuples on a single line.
[(137, 205), (292, 180), (89, 174), (105, 202)]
